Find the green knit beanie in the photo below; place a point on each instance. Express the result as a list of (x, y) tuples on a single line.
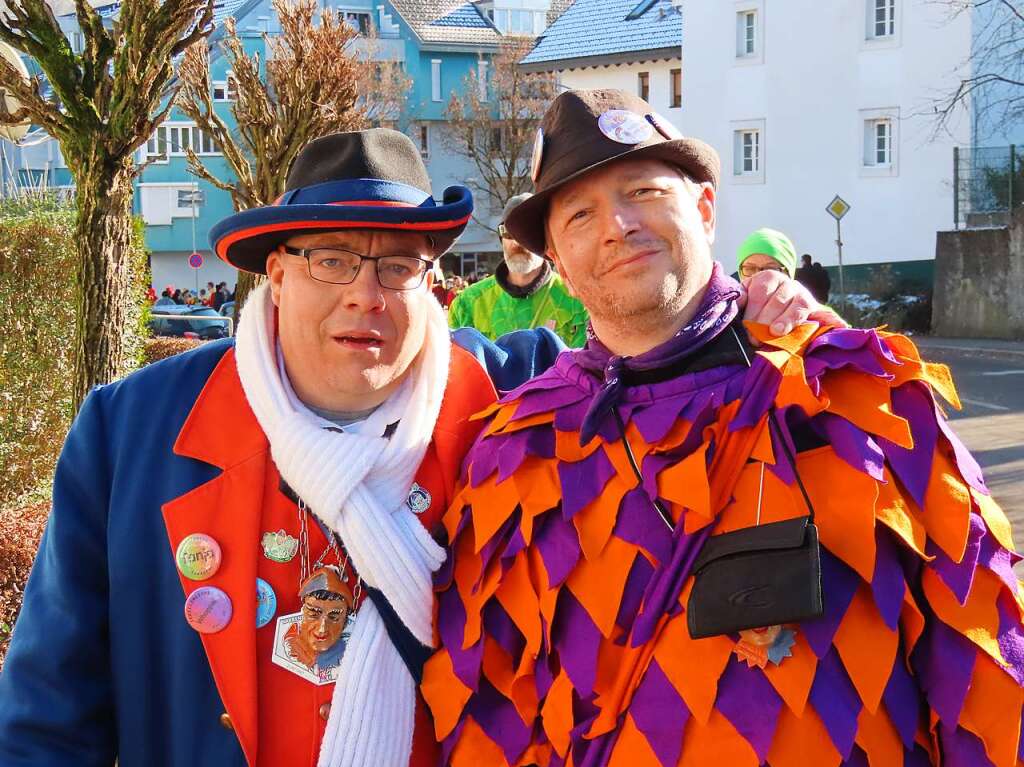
[(770, 243)]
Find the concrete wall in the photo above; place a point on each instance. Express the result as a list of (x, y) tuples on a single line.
[(979, 282)]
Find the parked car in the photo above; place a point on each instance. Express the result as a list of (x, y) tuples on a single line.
[(227, 309), (193, 322)]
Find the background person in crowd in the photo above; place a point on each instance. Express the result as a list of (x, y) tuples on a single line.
[(814, 277), (524, 293), (764, 250)]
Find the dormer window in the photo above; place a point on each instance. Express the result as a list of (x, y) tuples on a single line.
[(514, 21)]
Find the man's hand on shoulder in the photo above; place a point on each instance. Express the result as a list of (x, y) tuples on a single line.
[(770, 298)]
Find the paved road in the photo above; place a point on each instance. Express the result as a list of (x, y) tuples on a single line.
[(990, 379)]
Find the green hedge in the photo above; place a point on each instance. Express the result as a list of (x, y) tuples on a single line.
[(37, 267), (37, 314)]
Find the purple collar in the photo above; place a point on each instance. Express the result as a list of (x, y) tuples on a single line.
[(717, 310)]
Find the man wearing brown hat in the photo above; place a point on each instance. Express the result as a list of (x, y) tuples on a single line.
[(523, 293), (675, 549)]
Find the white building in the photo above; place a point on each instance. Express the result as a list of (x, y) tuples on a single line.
[(805, 100), (632, 45)]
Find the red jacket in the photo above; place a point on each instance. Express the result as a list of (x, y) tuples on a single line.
[(276, 715)]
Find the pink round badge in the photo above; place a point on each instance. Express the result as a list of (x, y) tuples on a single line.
[(208, 609)]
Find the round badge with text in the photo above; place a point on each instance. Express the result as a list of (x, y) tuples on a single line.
[(208, 609), (198, 556), (266, 603)]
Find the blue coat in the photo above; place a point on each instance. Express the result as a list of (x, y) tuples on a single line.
[(102, 664)]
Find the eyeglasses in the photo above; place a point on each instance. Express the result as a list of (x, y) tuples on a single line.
[(749, 270), (340, 267), (503, 232)]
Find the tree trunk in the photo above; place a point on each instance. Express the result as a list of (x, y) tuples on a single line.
[(247, 282), (106, 335)]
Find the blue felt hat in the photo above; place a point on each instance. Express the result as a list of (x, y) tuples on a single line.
[(371, 179)]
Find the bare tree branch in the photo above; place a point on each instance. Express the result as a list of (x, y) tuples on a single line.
[(493, 124), (993, 91)]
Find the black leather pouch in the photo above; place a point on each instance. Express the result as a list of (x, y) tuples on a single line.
[(758, 576)]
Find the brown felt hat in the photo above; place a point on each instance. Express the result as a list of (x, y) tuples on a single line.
[(586, 129)]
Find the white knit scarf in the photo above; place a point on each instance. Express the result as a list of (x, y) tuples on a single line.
[(358, 483)]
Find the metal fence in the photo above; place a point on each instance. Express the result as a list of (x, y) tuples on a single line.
[(988, 182)]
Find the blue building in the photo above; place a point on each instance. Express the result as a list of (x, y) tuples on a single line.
[(439, 44)]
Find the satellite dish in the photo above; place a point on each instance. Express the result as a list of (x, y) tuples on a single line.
[(17, 132)]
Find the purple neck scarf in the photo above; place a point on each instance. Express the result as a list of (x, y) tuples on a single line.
[(717, 310)]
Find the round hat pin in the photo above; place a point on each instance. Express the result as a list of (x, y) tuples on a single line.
[(625, 126)]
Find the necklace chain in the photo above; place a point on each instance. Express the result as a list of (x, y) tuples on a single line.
[(333, 545)]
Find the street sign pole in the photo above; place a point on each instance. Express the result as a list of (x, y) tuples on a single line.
[(839, 245), (195, 189), (837, 209)]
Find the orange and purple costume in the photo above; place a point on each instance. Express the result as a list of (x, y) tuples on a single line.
[(562, 609)]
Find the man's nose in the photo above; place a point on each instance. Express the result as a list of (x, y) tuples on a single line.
[(617, 222), (364, 293)]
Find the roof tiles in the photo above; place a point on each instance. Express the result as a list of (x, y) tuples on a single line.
[(447, 21), (591, 28)]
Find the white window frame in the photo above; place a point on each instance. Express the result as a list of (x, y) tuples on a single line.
[(744, 9), (893, 24), (871, 119), (170, 134), (481, 75), (435, 80), (77, 41), (749, 143), (151, 150)]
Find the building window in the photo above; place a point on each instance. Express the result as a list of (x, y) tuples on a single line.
[(746, 33), (360, 21), (77, 42), (750, 152), (878, 145), (173, 140), (226, 89), (481, 79), (497, 140), (435, 79), (423, 140), (676, 93), (517, 22), (643, 85), (156, 147), (881, 19), (748, 161)]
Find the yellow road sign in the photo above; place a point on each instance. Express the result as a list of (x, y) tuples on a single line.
[(838, 207)]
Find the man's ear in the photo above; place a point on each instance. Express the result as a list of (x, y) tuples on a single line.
[(275, 274), (553, 257), (706, 206)]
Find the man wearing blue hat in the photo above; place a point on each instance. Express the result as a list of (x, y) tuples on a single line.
[(159, 621)]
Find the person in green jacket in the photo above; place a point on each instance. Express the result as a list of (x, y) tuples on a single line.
[(524, 293)]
